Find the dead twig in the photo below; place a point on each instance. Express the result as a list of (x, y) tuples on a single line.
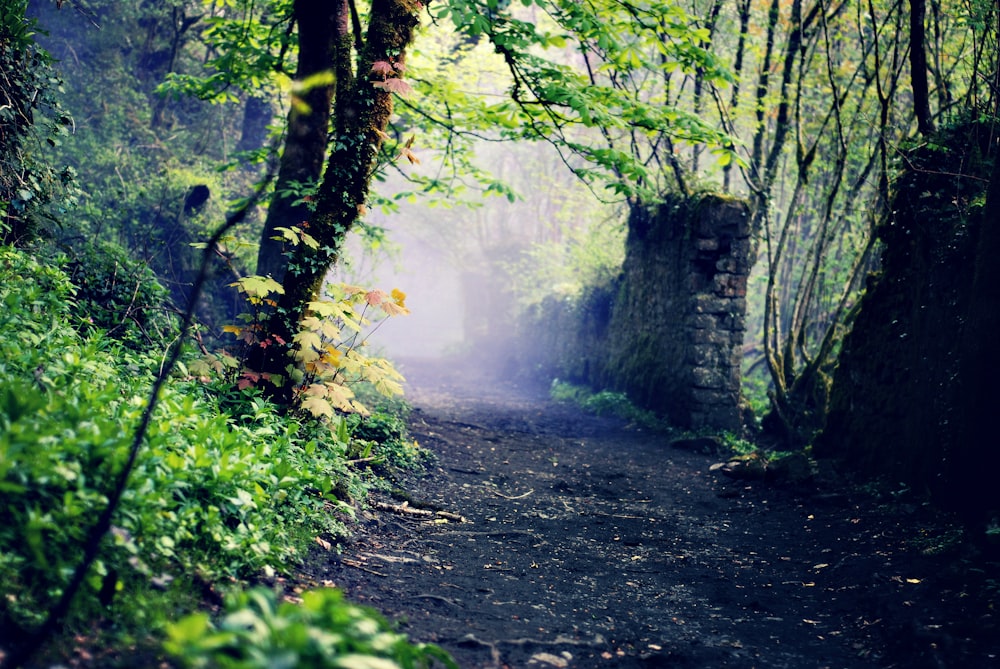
[(358, 565), (405, 509), (513, 497)]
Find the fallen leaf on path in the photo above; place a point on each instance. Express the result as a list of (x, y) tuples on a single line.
[(550, 659)]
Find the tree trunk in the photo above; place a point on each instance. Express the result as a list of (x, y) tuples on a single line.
[(918, 67), (308, 127), (362, 107)]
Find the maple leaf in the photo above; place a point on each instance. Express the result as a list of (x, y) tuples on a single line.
[(318, 406), (248, 379), (375, 297), (382, 67), (397, 86), (393, 308)]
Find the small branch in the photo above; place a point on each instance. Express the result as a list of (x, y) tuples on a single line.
[(500, 494), (358, 565)]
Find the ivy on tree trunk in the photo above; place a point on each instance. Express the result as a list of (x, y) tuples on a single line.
[(359, 106)]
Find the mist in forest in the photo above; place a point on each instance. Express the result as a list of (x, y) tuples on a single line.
[(434, 327), (469, 270)]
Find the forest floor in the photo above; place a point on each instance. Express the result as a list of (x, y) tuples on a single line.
[(544, 537)]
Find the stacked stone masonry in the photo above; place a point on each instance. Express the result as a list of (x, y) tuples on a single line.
[(670, 332)]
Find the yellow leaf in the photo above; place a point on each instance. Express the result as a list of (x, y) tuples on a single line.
[(309, 241), (352, 291), (308, 339), (317, 406), (287, 234), (387, 387), (234, 329), (311, 323), (316, 390), (399, 297), (258, 286), (330, 330), (393, 308), (324, 308), (331, 355)]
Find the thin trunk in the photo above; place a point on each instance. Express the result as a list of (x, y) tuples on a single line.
[(918, 67), (699, 78), (306, 141), (734, 100)]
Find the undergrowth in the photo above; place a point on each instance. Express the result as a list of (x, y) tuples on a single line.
[(607, 403), (226, 488)]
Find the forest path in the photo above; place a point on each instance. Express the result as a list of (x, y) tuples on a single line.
[(590, 543)]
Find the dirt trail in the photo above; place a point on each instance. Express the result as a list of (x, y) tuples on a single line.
[(590, 543)]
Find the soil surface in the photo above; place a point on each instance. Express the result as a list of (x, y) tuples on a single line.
[(545, 537)]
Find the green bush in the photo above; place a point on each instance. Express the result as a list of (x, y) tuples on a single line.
[(210, 498), (384, 434), (606, 403), (120, 296), (323, 631)]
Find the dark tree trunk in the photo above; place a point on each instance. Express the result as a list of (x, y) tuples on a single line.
[(918, 67), (308, 127), (362, 106)]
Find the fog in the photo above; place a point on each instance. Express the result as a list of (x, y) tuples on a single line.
[(467, 271), (434, 327)]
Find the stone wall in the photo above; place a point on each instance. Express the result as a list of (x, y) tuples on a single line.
[(669, 332), (915, 394)]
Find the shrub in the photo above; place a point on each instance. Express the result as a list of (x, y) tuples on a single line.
[(210, 498), (120, 296), (323, 631)]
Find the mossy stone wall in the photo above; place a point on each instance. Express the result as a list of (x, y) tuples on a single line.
[(669, 332), (905, 381)]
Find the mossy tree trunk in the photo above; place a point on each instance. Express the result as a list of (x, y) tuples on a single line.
[(304, 150), (358, 107)]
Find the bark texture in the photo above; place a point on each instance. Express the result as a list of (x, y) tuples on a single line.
[(361, 106)]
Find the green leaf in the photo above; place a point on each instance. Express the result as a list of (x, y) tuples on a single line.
[(258, 286)]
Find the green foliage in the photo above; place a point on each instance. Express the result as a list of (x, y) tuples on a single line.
[(326, 354), (606, 403), (628, 51), (214, 495), (590, 255), (29, 117), (118, 295), (384, 432), (320, 632)]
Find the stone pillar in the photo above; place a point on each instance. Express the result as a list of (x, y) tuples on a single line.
[(676, 335), (716, 259)]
